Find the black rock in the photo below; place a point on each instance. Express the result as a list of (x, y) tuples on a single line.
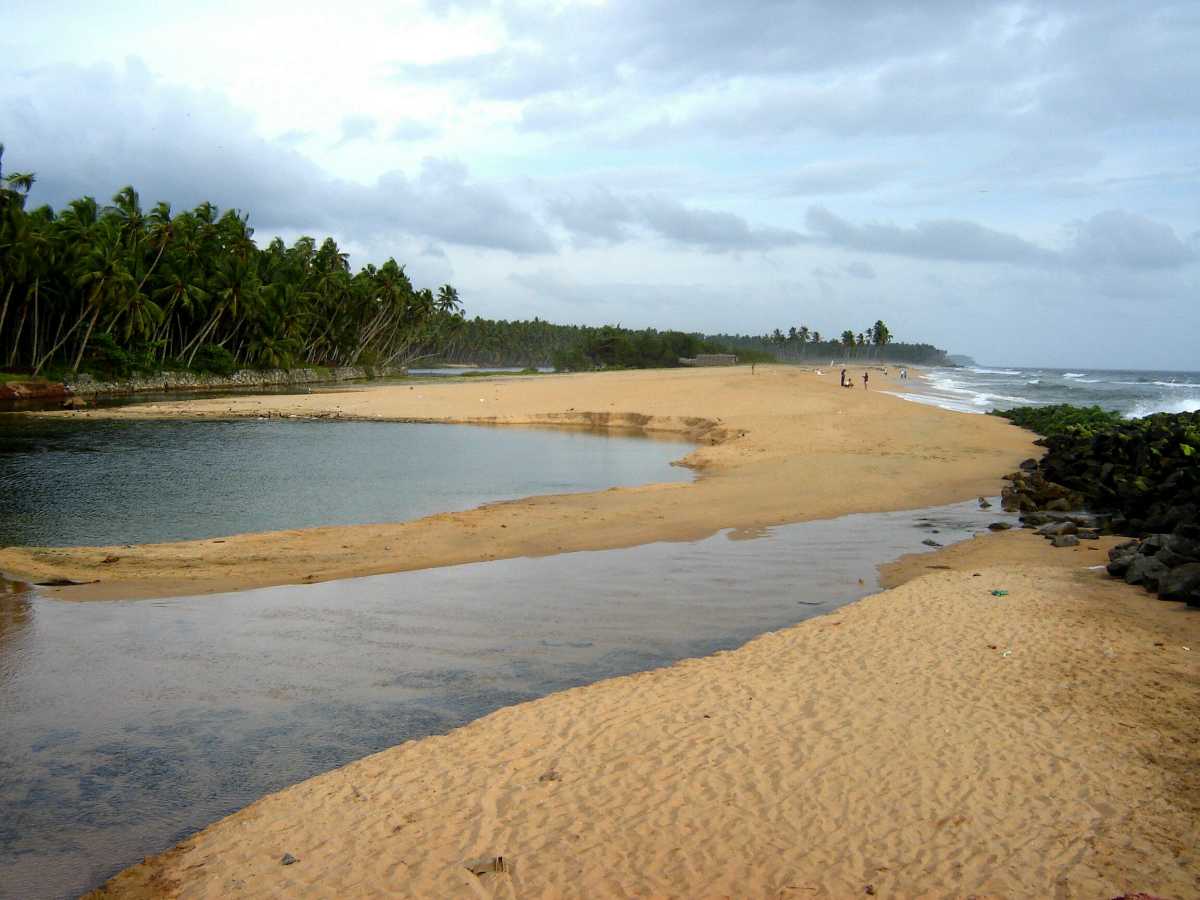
[(984, 504), (1181, 583), (1188, 548), (1066, 540), (1145, 570), (1034, 519), (1054, 529), (1088, 534), (930, 543), (1153, 544), (1029, 465), (999, 526)]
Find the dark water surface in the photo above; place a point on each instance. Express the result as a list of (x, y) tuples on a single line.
[(127, 725), (65, 482)]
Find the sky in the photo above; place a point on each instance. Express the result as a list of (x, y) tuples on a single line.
[(1019, 182)]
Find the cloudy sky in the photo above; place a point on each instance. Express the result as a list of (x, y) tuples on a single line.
[(1020, 182)]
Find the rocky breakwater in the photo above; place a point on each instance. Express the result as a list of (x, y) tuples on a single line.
[(1139, 478)]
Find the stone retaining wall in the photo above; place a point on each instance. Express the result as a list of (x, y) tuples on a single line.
[(194, 381)]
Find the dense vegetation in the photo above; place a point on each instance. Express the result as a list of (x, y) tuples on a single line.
[(612, 347), (1062, 418), (875, 343), (118, 289)]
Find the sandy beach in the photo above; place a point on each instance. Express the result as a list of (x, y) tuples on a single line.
[(774, 445), (934, 740)]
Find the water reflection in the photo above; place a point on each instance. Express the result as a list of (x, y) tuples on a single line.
[(16, 600), (127, 725), (100, 483)]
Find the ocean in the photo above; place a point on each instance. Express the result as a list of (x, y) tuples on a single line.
[(980, 389)]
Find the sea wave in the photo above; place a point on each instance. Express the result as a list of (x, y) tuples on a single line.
[(983, 371), (1161, 405), (1074, 374)]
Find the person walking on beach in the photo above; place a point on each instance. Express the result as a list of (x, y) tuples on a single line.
[(843, 377), (866, 375)]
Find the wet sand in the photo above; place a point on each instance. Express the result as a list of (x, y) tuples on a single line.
[(934, 740), (775, 445)]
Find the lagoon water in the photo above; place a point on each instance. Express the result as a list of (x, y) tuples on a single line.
[(127, 725), (65, 482)]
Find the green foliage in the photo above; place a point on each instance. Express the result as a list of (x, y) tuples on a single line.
[(613, 347), (117, 290), (1143, 468), (1062, 418), (110, 361), (215, 359)]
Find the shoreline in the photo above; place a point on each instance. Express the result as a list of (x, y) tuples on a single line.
[(763, 435), (929, 740)]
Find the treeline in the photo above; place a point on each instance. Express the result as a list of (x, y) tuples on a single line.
[(803, 343), (118, 289), (499, 342), (613, 347), (577, 347)]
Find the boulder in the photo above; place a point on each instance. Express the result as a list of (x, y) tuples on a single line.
[(1181, 583), (1088, 534), (1066, 540), (1153, 543), (984, 504), (1061, 504), (999, 526), (1054, 529), (1029, 465), (1145, 570), (1185, 547)]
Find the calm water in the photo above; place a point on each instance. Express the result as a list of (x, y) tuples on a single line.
[(65, 482), (1133, 393), (129, 724)]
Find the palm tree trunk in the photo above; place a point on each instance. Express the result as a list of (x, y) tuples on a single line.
[(4, 309), (16, 344), (87, 336)]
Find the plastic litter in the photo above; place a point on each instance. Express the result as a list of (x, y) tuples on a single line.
[(999, 593)]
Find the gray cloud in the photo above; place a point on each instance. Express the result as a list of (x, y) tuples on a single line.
[(1124, 239), (771, 68), (412, 130), (839, 177), (357, 128), (859, 269), (947, 239), (91, 131), (597, 214)]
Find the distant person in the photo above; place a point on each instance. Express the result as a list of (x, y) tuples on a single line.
[(866, 376), (843, 377)]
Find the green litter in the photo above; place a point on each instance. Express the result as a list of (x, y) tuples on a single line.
[(999, 593)]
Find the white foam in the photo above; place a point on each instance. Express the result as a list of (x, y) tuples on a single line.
[(983, 371), (1149, 407), (934, 400), (1074, 374)]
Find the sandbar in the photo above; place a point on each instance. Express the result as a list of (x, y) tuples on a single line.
[(774, 444)]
